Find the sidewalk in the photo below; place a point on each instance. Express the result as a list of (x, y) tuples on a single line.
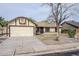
[(51, 49)]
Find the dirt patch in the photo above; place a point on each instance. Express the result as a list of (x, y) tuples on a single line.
[(49, 39)]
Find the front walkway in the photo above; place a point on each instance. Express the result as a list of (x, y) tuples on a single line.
[(30, 46)]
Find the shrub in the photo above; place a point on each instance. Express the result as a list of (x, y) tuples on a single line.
[(64, 31), (71, 33)]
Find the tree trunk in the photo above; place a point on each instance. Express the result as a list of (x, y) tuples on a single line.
[(57, 38)]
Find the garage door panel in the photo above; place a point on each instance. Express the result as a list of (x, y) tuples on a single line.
[(21, 31)]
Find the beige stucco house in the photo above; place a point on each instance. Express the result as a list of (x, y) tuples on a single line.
[(23, 26)]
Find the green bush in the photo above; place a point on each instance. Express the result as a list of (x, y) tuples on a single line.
[(71, 33), (64, 31)]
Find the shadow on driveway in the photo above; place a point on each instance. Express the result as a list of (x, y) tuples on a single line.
[(2, 39)]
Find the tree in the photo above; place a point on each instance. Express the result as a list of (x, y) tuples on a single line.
[(2, 21), (31, 19), (59, 13)]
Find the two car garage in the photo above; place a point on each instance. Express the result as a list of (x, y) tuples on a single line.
[(16, 31)]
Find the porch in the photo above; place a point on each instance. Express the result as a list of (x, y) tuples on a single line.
[(41, 30)]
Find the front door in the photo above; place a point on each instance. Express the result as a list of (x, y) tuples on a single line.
[(41, 30)]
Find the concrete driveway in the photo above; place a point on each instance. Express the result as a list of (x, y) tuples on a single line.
[(20, 45), (32, 46)]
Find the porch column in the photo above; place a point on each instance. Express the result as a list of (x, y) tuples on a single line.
[(38, 30), (44, 29)]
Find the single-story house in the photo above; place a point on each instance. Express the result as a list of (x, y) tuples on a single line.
[(71, 25), (44, 26), (23, 26)]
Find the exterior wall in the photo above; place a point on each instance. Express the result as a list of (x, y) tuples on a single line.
[(34, 30), (52, 29), (4, 29), (16, 22), (27, 23), (44, 29), (11, 23), (77, 30), (31, 24), (59, 29), (67, 26)]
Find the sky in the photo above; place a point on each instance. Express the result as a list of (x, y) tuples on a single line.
[(34, 10)]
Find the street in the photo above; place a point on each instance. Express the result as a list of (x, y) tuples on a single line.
[(69, 53)]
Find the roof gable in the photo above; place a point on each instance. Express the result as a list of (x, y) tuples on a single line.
[(72, 23), (21, 17)]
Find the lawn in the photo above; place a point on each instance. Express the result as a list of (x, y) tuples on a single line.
[(49, 38)]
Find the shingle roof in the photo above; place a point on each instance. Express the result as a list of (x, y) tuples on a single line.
[(45, 24), (73, 23)]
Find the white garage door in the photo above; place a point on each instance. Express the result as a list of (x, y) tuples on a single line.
[(21, 31)]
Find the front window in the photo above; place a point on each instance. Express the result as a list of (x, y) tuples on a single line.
[(22, 21)]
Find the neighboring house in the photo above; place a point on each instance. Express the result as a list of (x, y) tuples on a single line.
[(1, 29), (23, 26), (71, 25)]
